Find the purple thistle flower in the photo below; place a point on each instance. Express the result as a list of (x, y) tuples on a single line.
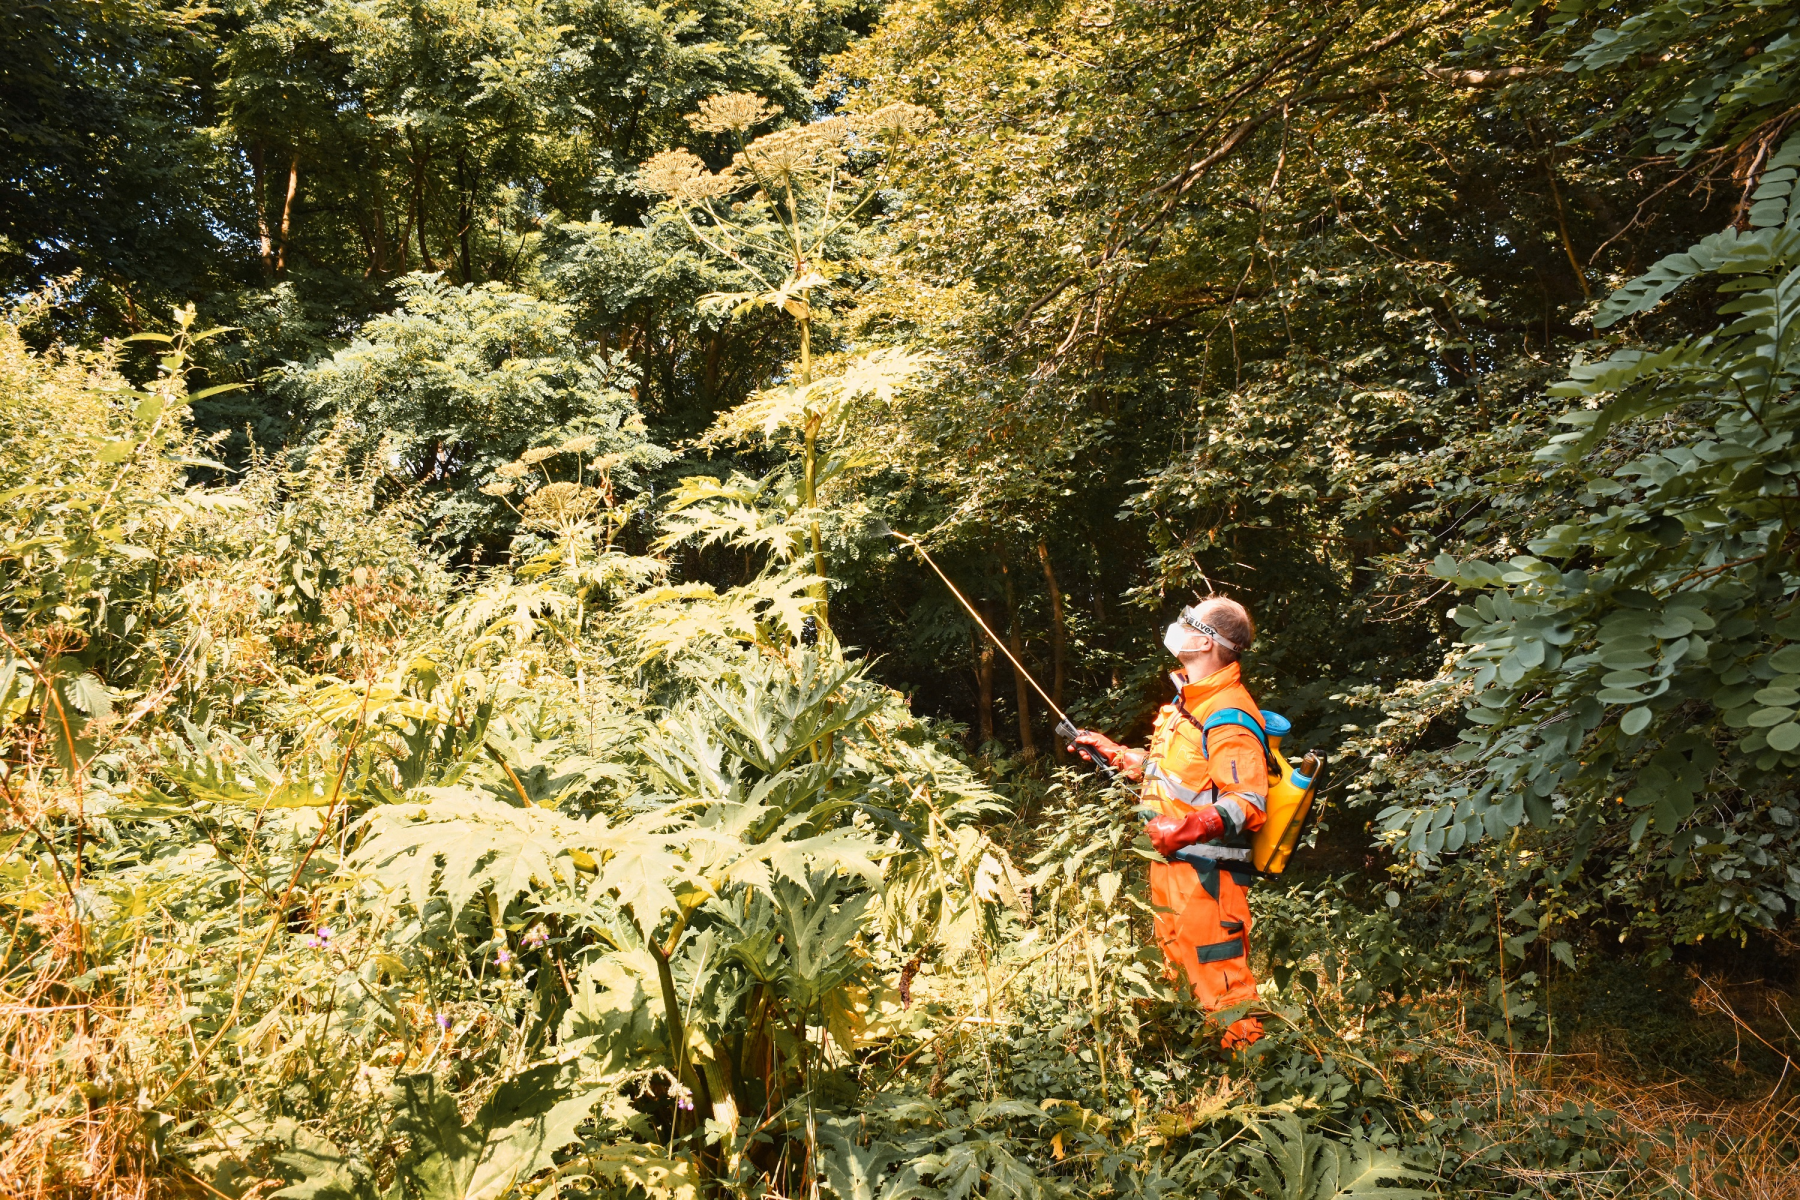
[(502, 957), (443, 1020)]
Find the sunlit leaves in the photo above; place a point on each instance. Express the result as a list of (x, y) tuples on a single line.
[(481, 843), (828, 401), (456, 382)]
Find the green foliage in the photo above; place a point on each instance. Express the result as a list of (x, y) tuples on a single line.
[(511, 1138), (449, 387), (1206, 330), (1297, 1164), (1712, 75), (420, 782), (1636, 697), (109, 178)]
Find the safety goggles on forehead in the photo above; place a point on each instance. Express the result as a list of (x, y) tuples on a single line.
[(1179, 637)]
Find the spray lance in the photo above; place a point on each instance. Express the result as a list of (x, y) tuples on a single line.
[(1291, 791), (1065, 728)]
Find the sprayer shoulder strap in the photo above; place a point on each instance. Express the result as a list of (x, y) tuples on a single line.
[(1233, 716), (1225, 716), (1237, 716)]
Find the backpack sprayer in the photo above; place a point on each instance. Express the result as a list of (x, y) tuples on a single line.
[(1290, 799), (1291, 791)]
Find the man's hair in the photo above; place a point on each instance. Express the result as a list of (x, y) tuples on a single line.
[(1231, 619)]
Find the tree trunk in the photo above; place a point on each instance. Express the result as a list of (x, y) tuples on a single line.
[(984, 688), (287, 212), (403, 242), (1059, 640), (419, 161), (380, 236), (262, 211), (710, 379), (1021, 685), (465, 214)]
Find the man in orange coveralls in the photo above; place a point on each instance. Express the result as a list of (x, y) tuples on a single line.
[(1206, 774)]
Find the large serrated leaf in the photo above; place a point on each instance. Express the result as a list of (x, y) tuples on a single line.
[(647, 1167), (510, 1139), (325, 1172), (481, 843), (1299, 1163)]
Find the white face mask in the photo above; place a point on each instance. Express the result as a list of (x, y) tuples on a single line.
[(1180, 640)]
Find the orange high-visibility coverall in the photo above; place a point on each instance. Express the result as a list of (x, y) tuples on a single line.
[(1204, 919)]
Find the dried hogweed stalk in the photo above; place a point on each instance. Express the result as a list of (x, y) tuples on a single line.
[(559, 504), (681, 175), (733, 112), (897, 118)]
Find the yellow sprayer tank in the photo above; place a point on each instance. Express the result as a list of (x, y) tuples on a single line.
[(1290, 799)]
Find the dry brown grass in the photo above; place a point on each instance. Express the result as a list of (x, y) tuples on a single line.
[(1705, 1146), (1713, 1149), (75, 1086)]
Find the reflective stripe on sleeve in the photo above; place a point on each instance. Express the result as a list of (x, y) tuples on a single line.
[(1209, 852), (1256, 801), (1174, 786)]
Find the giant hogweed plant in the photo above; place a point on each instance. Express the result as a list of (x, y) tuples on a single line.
[(1634, 681), (705, 944), (687, 905), (783, 213)]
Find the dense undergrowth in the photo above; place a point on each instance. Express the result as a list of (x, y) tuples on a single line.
[(482, 748), (330, 879)]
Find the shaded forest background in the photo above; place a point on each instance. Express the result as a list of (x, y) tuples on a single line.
[(1455, 340)]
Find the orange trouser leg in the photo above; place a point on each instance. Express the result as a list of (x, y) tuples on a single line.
[(1196, 935)]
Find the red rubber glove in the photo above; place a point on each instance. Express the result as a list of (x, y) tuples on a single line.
[(1097, 744), (1169, 834), (1127, 762)]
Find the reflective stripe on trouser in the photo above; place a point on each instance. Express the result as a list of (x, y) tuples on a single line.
[(1207, 937)]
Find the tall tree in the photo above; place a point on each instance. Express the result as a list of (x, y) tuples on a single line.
[(1243, 297), (107, 169)]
